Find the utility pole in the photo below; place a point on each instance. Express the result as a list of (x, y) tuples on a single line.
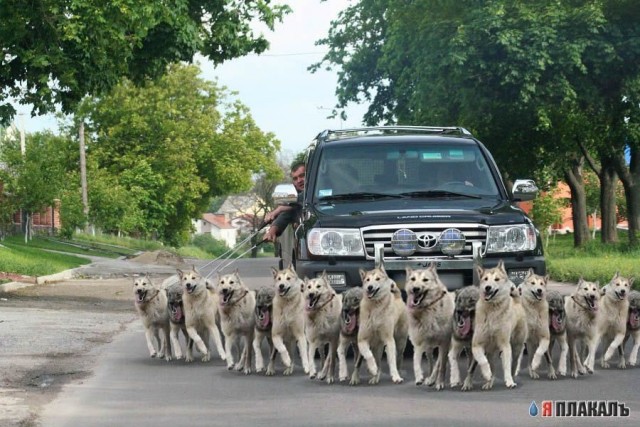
[(83, 171)]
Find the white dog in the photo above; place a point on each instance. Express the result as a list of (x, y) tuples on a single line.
[(288, 319), (151, 304), (430, 308), (536, 306), (495, 323), (322, 323), (383, 323), (581, 308), (237, 321), (612, 322), (200, 310)]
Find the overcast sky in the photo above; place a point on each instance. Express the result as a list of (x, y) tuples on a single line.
[(284, 98)]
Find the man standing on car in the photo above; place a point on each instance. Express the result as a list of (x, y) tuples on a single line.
[(284, 215)]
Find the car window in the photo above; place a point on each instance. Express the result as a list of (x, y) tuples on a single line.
[(387, 168)]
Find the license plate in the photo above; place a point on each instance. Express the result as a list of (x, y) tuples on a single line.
[(517, 276)]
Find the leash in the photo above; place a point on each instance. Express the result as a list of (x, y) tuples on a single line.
[(223, 267), (325, 303)]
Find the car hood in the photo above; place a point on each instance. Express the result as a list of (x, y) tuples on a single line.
[(488, 211)]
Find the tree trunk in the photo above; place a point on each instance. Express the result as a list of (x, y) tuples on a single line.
[(630, 177), (608, 211), (573, 177)]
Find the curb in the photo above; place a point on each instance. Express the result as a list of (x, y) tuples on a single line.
[(41, 280)]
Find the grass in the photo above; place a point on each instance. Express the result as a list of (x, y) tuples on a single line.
[(594, 261), (34, 261)]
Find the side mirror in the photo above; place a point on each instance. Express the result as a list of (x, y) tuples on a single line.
[(284, 194), (524, 189)]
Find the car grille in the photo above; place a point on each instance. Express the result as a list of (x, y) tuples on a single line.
[(427, 238)]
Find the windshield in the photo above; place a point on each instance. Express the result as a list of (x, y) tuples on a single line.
[(373, 171)]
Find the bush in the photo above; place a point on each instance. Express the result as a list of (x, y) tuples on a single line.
[(209, 244)]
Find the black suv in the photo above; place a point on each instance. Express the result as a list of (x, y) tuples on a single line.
[(408, 196)]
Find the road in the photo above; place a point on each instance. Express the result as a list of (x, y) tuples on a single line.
[(117, 384)]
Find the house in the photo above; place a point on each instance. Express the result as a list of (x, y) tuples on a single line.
[(218, 227)]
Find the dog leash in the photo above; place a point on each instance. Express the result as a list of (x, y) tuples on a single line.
[(223, 267), (327, 302), (576, 301)]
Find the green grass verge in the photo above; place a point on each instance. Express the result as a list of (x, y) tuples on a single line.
[(32, 261)]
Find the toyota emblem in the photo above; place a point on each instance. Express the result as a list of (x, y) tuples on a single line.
[(427, 240)]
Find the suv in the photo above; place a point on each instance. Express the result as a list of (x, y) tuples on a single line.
[(406, 196)]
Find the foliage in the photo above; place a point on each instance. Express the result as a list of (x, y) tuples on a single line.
[(209, 244), (72, 216), (56, 52), (30, 261), (164, 150), (547, 210)]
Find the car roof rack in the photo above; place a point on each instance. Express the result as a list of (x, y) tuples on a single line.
[(337, 134)]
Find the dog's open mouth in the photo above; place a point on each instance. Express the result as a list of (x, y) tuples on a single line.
[(227, 294), (141, 296), (176, 313), (372, 292), (537, 295), (463, 324), (591, 303), (190, 288), (621, 295), (634, 319), (557, 322), (283, 291), (349, 322), (416, 297), (312, 301), (263, 318), (488, 295)]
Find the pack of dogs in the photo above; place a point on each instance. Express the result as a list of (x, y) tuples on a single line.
[(304, 320)]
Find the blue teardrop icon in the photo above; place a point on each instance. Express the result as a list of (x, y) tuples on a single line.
[(533, 409)]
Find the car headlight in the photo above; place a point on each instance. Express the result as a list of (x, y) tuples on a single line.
[(511, 238), (335, 241)]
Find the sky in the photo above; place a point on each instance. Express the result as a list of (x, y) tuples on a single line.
[(283, 97)]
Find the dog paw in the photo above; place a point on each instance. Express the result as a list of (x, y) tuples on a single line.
[(259, 369), (552, 375), (439, 386), (270, 372), (488, 385), (430, 382), (467, 386), (246, 371), (238, 367), (374, 380), (152, 355), (188, 359), (288, 371), (342, 378), (206, 358), (603, 365), (511, 384), (312, 376), (398, 380), (355, 381), (454, 384), (229, 367), (533, 374), (622, 364), (632, 362), (562, 372), (419, 381), (322, 376), (168, 358), (330, 380)]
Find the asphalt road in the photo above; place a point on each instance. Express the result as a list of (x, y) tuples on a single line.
[(105, 377)]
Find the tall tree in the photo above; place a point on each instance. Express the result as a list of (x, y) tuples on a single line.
[(57, 51), (174, 144)]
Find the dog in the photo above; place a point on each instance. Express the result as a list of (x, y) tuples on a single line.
[(462, 331), (520, 331), (557, 332), (349, 326), (495, 323), (263, 314), (176, 316), (383, 323), (633, 326), (322, 323), (430, 313), (236, 306), (612, 321), (288, 319), (536, 307), (200, 303), (581, 308), (151, 305)]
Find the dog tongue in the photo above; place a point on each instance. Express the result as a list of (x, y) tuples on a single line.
[(634, 320), (556, 325), (178, 314), (465, 328), (266, 319), (350, 324)]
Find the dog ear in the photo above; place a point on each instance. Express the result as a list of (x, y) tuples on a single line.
[(274, 272), (479, 272), (362, 274), (501, 265), (631, 279)]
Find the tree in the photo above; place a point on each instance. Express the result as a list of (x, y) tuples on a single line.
[(56, 52), (546, 211), (173, 144), (531, 78), (34, 179)]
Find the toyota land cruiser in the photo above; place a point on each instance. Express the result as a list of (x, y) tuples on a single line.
[(408, 196)]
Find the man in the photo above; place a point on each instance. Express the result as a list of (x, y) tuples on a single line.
[(284, 215)]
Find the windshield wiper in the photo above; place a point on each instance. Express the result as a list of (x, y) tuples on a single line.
[(360, 195), (437, 193)]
